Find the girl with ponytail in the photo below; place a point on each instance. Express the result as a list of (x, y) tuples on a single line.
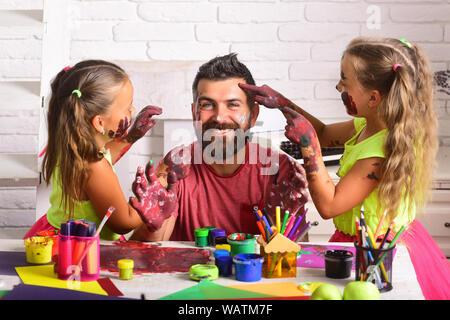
[(390, 147), (89, 128)]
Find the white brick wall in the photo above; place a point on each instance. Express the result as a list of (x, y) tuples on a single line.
[(294, 46)]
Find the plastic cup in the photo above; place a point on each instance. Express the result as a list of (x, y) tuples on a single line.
[(241, 243), (248, 267)]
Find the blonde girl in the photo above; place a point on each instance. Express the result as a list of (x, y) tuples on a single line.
[(390, 148), (91, 105)]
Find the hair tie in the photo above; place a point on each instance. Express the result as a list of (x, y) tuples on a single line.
[(66, 68), (78, 92), (397, 65), (406, 43)]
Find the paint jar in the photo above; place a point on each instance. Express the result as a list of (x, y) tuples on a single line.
[(52, 234), (209, 233), (241, 243), (203, 271), (248, 267), (225, 265), (73, 248), (338, 264), (221, 240), (38, 249), (213, 234), (220, 253), (376, 264), (280, 265), (125, 269), (201, 237), (223, 246)]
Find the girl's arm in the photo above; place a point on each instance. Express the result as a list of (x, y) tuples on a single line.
[(329, 135), (352, 189), (103, 190)]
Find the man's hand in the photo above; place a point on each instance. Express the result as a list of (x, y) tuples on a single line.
[(289, 194), (178, 160), (143, 123), (153, 202)]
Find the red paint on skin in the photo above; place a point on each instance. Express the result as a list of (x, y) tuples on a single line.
[(349, 103), (266, 96), (289, 194), (153, 202), (300, 131), (151, 258), (142, 124), (121, 130), (178, 160)]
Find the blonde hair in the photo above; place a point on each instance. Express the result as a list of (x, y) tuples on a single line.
[(71, 135), (407, 111)]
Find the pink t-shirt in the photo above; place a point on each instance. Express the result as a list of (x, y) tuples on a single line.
[(226, 202)]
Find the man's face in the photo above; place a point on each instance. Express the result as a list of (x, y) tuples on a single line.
[(221, 109)]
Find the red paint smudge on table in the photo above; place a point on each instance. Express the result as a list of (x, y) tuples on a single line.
[(151, 258)]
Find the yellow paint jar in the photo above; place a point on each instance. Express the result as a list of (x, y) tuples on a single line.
[(125, 269), (38, 249)]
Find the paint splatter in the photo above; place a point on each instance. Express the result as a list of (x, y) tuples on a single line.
[(150, 193), (151, 258), (349, 103)]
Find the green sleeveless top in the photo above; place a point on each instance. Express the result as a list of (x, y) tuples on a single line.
[(370, 147), (82, 209)]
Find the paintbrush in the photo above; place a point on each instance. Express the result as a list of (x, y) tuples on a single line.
[(77, 269)]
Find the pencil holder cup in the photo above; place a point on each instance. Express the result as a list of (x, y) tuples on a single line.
[(73, 248), (248, 266), (38, 250), (375, 265), (280, 257), (241, 243), (338, 264)]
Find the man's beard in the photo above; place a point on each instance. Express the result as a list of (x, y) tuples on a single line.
[(222, 141)]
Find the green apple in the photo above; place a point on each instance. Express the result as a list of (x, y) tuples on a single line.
[(361, 290), (326, 291)]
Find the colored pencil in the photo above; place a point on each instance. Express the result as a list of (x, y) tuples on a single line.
[(295, 227), (261, 229), (289, 225), (278, 218), (380, 260), (283, 226), (380, 224), (374, 245), (302, 232)]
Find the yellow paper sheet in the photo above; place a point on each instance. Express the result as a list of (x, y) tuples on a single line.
[(43, 275), (279, 289)]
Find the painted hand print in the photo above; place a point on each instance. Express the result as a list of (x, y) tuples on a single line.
[(152, 201)]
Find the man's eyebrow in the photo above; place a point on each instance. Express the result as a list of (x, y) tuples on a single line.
[(205, 98)]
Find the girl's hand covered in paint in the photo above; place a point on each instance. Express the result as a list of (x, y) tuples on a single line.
[(266, 96), (153, 202), (178, 160), (289, 194), (143, 123), (300, 131)]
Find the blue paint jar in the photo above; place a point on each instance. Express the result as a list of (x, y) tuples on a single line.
[(225, 265), (248, 266)]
